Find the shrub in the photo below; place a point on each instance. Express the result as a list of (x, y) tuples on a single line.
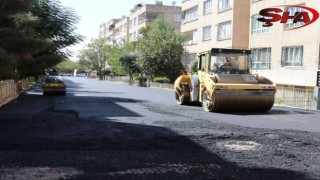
[(161, 80), (139, 80), (194, 67)]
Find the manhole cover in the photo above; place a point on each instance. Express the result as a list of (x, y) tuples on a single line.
[(239, 145)]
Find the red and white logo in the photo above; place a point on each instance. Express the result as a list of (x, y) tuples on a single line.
[(271, 15)]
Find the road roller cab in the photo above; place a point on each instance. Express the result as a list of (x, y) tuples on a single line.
[(224, 83)]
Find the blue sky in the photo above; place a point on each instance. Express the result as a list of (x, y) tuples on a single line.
[(93, 13)]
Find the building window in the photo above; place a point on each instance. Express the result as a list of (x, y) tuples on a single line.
[(135, 21), (257, 26), (177, 17), (207, 7), (130, 24), (191, 37), (191, 14), (292, 11), (224, 5), (125, 27), (261, 58), (206, 33), (224, 30), (292, 56)]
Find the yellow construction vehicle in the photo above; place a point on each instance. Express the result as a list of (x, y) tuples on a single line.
[(224, 83)]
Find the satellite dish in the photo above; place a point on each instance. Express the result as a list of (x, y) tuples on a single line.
[(174, 3)]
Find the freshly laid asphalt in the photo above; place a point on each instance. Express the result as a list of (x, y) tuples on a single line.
[(105, 130)]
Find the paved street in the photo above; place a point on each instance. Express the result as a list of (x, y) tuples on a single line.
[(104, 130)]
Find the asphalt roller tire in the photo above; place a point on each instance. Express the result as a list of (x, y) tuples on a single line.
[(207, 103), (183, 97)]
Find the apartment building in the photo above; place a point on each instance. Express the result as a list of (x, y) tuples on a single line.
[(122, 34), (280, 53), (214, 23), (108, 30), (102, 30), (141, 15), (126, 28)]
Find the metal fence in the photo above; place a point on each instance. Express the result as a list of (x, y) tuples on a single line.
[(288, 95), (296, 96)]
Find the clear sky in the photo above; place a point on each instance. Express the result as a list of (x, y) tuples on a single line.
[(93, 13)]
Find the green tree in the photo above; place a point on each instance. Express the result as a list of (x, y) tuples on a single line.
[(68, 66), (128, 62), (95, 55), (58, 24), (124, 59), (33, 35), (17, 40), (114, 62), (160, 50)]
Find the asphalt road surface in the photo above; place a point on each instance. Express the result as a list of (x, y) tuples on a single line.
[(105, 130)]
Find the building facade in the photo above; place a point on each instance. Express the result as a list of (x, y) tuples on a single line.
[(122, 34), (108, 31), (126, 28), (214, 23), (141, 15), (102, 30), (280, 53), (285, 55)]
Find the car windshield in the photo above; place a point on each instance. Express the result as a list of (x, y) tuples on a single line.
[(53, 79), (229, 64)]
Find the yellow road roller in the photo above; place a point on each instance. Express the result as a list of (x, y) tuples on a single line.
[(224, 83)]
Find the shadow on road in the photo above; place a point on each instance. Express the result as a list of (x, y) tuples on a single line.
[(56, 143)]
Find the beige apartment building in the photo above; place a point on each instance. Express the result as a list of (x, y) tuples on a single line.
[(108, 30), (284, 55), (141, 15), (214, 23), (121, 33), (126, 28), (102, 30)]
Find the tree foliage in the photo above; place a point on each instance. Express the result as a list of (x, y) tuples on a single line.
[(95, 55), (32, 36), (58, 24), (160, 49), (157, 53), (69, 66), (118, 68)]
